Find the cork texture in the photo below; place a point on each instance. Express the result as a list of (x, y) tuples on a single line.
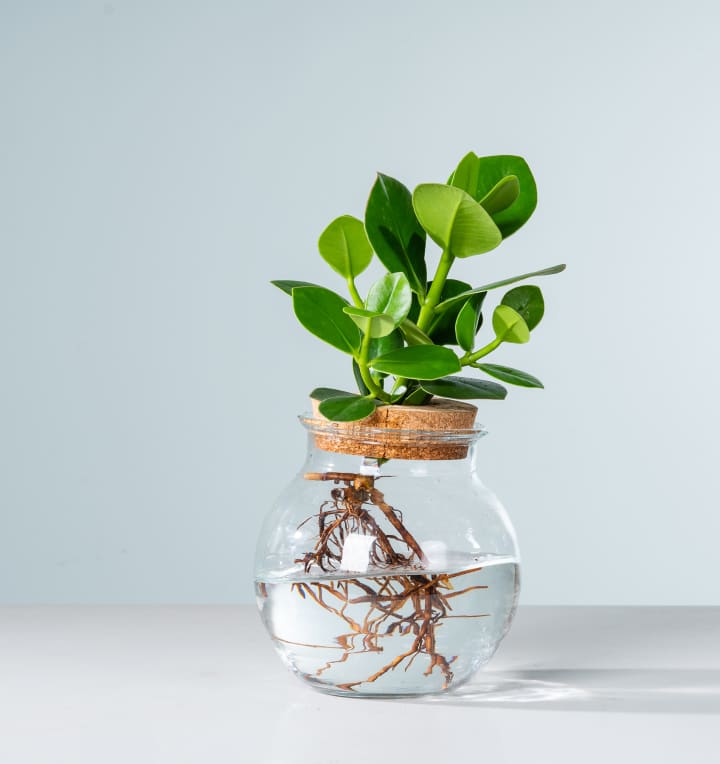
[(440, 415)]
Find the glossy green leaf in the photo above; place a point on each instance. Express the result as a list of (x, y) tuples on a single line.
[(509, 325), (288, 286), (464, 388), (382, 345), (479, 176), (442, 329), (347, 408), (528, 302), (447, 304), (468, 320), (509, 375), (418, 362), (501, 195), (345, 247), (323, 393), (370, 322), (394, 231), (454, 220), (413, 334), (320, 311), (390, 294)]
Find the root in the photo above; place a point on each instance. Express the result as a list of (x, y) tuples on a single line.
[(408, 602), (346, 513)]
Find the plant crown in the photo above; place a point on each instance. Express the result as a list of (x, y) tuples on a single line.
[(410, 337)]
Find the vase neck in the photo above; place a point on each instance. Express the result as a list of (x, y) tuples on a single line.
[(326, 462)]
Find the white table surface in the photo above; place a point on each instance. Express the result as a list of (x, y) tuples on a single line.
[(203, 684)]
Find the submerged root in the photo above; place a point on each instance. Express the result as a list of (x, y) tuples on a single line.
[(406, 603)]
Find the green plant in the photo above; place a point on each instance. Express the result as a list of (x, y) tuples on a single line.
[(421, 333)]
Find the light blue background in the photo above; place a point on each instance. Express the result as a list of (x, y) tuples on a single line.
[(161, 162)]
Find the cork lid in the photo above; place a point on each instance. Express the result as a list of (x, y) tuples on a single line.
[(441, 429)]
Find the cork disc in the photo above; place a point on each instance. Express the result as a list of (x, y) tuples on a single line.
[(401, 432)]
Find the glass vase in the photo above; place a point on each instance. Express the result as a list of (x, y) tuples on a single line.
[(386, 567)]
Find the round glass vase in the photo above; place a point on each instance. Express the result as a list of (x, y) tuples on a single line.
[(386, 567)]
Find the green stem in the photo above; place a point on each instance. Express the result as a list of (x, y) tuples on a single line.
[(399, 382), (362, 362), (354, 293), (470, 358), (416, 398), (427, 312)]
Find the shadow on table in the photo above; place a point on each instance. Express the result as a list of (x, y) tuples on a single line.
[(676, 691)]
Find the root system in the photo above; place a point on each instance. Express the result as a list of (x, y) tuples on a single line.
[(409, 602)]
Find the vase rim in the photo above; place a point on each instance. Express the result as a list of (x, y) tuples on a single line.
[(357, 430)]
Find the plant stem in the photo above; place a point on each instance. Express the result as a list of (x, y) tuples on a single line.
[(354, 293), (427, 312), (362, 362), (470, 358)]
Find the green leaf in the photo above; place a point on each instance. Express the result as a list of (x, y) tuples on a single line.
[(509, 375), (370, 322), (345, 247), (394, 231), (442, 329), (288, 286), (468, 321), (509, 325), (390, 294), (528, 302), (320, 311), (418, 362), (323, 393), (454, 220), (382, 345), (480, 175), (416, 397), (443, 306), (464, 388), (347, 408), (501, 195), (413, 334)]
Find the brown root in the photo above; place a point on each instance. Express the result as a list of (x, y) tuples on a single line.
[(408, 602), (345, 513)]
